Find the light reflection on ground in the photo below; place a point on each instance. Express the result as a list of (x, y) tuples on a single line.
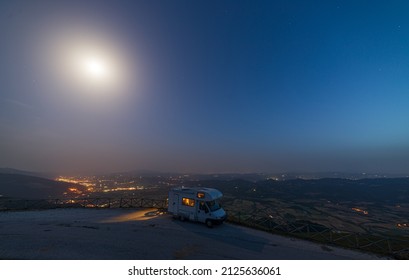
[(140, 215)]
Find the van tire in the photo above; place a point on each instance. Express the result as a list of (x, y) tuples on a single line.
[(209, 223), (182, 218)]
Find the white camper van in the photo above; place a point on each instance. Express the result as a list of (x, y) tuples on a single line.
[(196, 204)]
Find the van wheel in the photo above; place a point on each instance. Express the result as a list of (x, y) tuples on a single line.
[(182, 218), (209, 223)]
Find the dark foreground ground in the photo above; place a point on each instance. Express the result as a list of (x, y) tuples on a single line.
[(144, 234)]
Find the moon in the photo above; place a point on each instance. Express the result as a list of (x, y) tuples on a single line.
[(95, 68)]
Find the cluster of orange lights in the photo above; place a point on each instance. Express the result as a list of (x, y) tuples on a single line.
[(403, 225), (120, 189), (75, 181), (91, 187), (360, 210), (75, 190)]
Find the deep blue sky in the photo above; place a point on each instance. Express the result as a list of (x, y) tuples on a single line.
[(207, 86)]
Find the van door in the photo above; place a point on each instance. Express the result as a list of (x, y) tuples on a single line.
[(202, 211), (176, 203)]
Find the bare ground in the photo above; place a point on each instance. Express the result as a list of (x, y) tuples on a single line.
[(144, 234)]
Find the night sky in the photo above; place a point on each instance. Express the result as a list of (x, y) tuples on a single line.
[(204, 86)]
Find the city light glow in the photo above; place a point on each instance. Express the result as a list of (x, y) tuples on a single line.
[(360, 211)]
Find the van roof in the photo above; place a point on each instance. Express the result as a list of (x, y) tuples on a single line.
[(211, 192)]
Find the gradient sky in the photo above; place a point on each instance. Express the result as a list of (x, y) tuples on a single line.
[(206, 86)]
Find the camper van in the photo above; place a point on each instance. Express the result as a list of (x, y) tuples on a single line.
[(196, 204)]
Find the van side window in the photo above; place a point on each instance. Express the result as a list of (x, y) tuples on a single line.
[(188, 202)]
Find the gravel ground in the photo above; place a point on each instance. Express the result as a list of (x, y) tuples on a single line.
[(99, 234)]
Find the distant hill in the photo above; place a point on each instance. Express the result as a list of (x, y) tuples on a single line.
[(31, 187), (7, 170), (385, 190), (18, 172)]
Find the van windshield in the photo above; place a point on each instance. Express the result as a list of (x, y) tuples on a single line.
[(213, 205)]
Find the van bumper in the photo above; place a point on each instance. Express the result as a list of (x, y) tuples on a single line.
[(220, 220)]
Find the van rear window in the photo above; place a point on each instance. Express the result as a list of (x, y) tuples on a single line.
[(188, 202)]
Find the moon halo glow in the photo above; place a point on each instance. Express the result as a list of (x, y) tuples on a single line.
[(89, 69)]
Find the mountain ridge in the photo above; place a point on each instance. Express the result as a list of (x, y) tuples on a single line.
[(31, 187)]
